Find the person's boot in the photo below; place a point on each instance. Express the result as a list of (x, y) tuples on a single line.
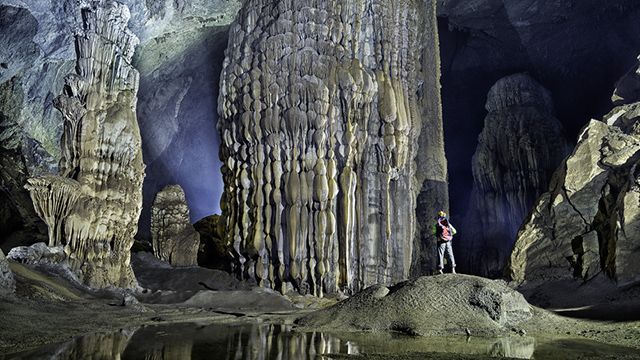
[(440, 271), (453, 271)]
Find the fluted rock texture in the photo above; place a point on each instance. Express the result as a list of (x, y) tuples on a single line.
[(175, 240), (7, 281), (587, 223), (321, 107), (520, 147), (92, 207)]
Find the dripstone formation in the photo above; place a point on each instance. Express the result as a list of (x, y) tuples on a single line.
[(92, 207), (175, 240), (322, 107), (587, 223), (520, 147)]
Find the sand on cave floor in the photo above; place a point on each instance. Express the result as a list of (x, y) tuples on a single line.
[(47, 308)]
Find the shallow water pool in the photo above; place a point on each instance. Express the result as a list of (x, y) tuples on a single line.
[(265, 341)]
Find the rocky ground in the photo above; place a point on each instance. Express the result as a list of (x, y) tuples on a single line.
[(48, 308)]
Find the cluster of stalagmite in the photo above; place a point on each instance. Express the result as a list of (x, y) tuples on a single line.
[(587, 223), (520, 147), (321, 107), (175, 240), (92, 207)]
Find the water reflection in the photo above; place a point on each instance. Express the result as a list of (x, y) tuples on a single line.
[(265, 342)]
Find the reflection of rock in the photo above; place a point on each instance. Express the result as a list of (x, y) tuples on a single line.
[(447, 304), (588, 221), (321, 111), (174, 238), (92, 208), (7, 281), (519, 148)]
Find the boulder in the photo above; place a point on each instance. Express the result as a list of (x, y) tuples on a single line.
[(433, 305), (521, 145), (175, 240), (213, 252)]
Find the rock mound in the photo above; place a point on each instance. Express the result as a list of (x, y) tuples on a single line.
[(434, 305)]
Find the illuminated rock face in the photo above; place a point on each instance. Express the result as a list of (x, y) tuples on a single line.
[(92, 207), (175, 240), (587, 223), (324, 110), (7, 281), (521, 145)]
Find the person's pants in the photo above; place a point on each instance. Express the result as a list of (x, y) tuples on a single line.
[(445, 247)]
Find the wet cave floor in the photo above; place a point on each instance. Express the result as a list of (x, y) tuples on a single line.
[(47, 317)]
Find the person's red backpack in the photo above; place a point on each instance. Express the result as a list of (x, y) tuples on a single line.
[(444, 229)]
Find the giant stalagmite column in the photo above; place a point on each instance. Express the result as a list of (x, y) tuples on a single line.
[(92, 207), (521, 145), (324, 106)]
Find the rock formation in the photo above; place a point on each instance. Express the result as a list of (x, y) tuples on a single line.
[(429, 305), (521, 145), (175, 240), (213, 252), (587, 223), (555, 41), (7, 281), (92, 207), (330, 124), (179, 59)]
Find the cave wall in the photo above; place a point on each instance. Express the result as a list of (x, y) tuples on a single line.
[(587, 223), (326, 111)]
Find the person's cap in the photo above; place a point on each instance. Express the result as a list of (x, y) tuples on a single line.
[(442, 214)]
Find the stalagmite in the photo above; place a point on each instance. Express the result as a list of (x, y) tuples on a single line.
[(322, 110), (175, 240), (521, 145), (92, 207)]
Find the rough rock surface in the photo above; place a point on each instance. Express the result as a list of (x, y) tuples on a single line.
[(92, 207), (175, 240), (557, 42), (213, 252), (322, 105), (7, 281), (429, 305), (21, 157), (587, 222), (520, 147)]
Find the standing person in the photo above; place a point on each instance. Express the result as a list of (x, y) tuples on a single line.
[(444, 232)]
